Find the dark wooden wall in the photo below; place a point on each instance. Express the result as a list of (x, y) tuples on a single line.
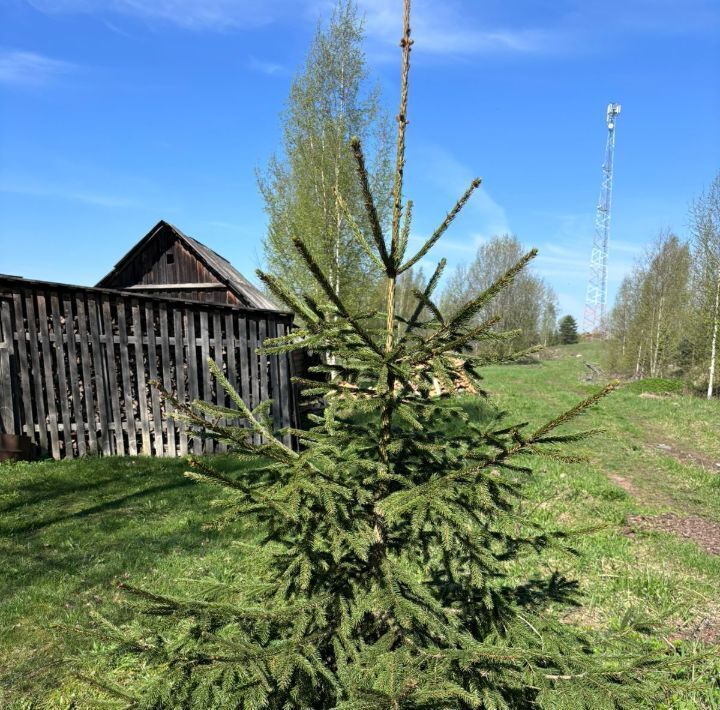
[(165, 260), (75, 364)]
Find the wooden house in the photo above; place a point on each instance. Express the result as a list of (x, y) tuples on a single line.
[(166, 262)]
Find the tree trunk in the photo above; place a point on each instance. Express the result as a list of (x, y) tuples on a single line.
[(713, 344), (639, 355), (656, 354)]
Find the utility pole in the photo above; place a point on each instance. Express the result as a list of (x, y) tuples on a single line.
[(595, 317)]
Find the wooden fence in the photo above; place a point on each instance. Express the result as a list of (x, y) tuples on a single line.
[(75, 364)]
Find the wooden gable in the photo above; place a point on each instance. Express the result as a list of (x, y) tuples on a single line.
[(167, 262)]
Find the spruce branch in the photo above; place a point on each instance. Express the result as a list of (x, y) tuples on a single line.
[(286, 296), (332, 296), (427, 293), (369, 200), (405, 235), (442, 228), (255, 424), (573, 412), (473, 306), (425, 302)]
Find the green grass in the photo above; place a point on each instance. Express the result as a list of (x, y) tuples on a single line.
[(653, 581), (67, 530)]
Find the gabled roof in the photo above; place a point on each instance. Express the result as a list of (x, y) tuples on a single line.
[(221, 268)]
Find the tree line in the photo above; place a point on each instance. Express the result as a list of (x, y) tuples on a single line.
[(667, 311)]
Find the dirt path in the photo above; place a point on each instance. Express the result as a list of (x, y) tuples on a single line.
[(686, 456), (701, 530)]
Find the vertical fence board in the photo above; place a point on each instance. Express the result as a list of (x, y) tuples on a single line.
[(254, 372), (208, 444), (219, 342), (63, 391), (142, 394), (37, 379), (180, 368), (169, 422), (126, 378), (244, 363), (75, 376), (7, 409), (49, 380), (86, 374), (112, 375), (29, 424), (230, 355), (101, 385), (230, 352), (192, 370), (269, 368), (286, 394), (153, 372)]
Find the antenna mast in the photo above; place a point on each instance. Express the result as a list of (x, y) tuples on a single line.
[(594, 320)]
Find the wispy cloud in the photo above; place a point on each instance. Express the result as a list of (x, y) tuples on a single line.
[(447, 28), (448, 178), (90, 197), (441, 28), (30, 69), (625, 247), (465, 28), (215, 15), (261, 66)]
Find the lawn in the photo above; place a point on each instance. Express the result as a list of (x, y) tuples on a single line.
[(651, 489)]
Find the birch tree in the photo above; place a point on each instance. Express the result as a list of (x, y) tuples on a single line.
[(521, 307), (651, 316), (705, 225), (310, 189)]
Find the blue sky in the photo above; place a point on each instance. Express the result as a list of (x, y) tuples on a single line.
[(117, 113)]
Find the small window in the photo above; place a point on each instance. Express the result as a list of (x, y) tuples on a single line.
[(170, 257)]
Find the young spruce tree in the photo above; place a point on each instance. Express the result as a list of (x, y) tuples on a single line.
[(383, 579), (568, 330)]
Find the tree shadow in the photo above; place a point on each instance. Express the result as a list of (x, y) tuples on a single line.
[(99, 508)]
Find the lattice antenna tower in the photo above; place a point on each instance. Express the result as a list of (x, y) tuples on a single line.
[(594, 320)]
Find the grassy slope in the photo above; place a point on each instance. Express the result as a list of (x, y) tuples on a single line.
[(642, 579), (68, 529)]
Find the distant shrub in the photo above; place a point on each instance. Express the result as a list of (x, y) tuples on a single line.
[(657, 385)]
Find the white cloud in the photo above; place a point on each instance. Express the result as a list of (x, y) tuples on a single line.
[(451, 177), (626, 247), (29, 68), (446, 28), (459, 28), (464, 28), (267, 68), (216, 15), (440, 28), (24, 187)]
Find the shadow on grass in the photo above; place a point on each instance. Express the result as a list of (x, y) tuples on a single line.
[(99, 508)]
